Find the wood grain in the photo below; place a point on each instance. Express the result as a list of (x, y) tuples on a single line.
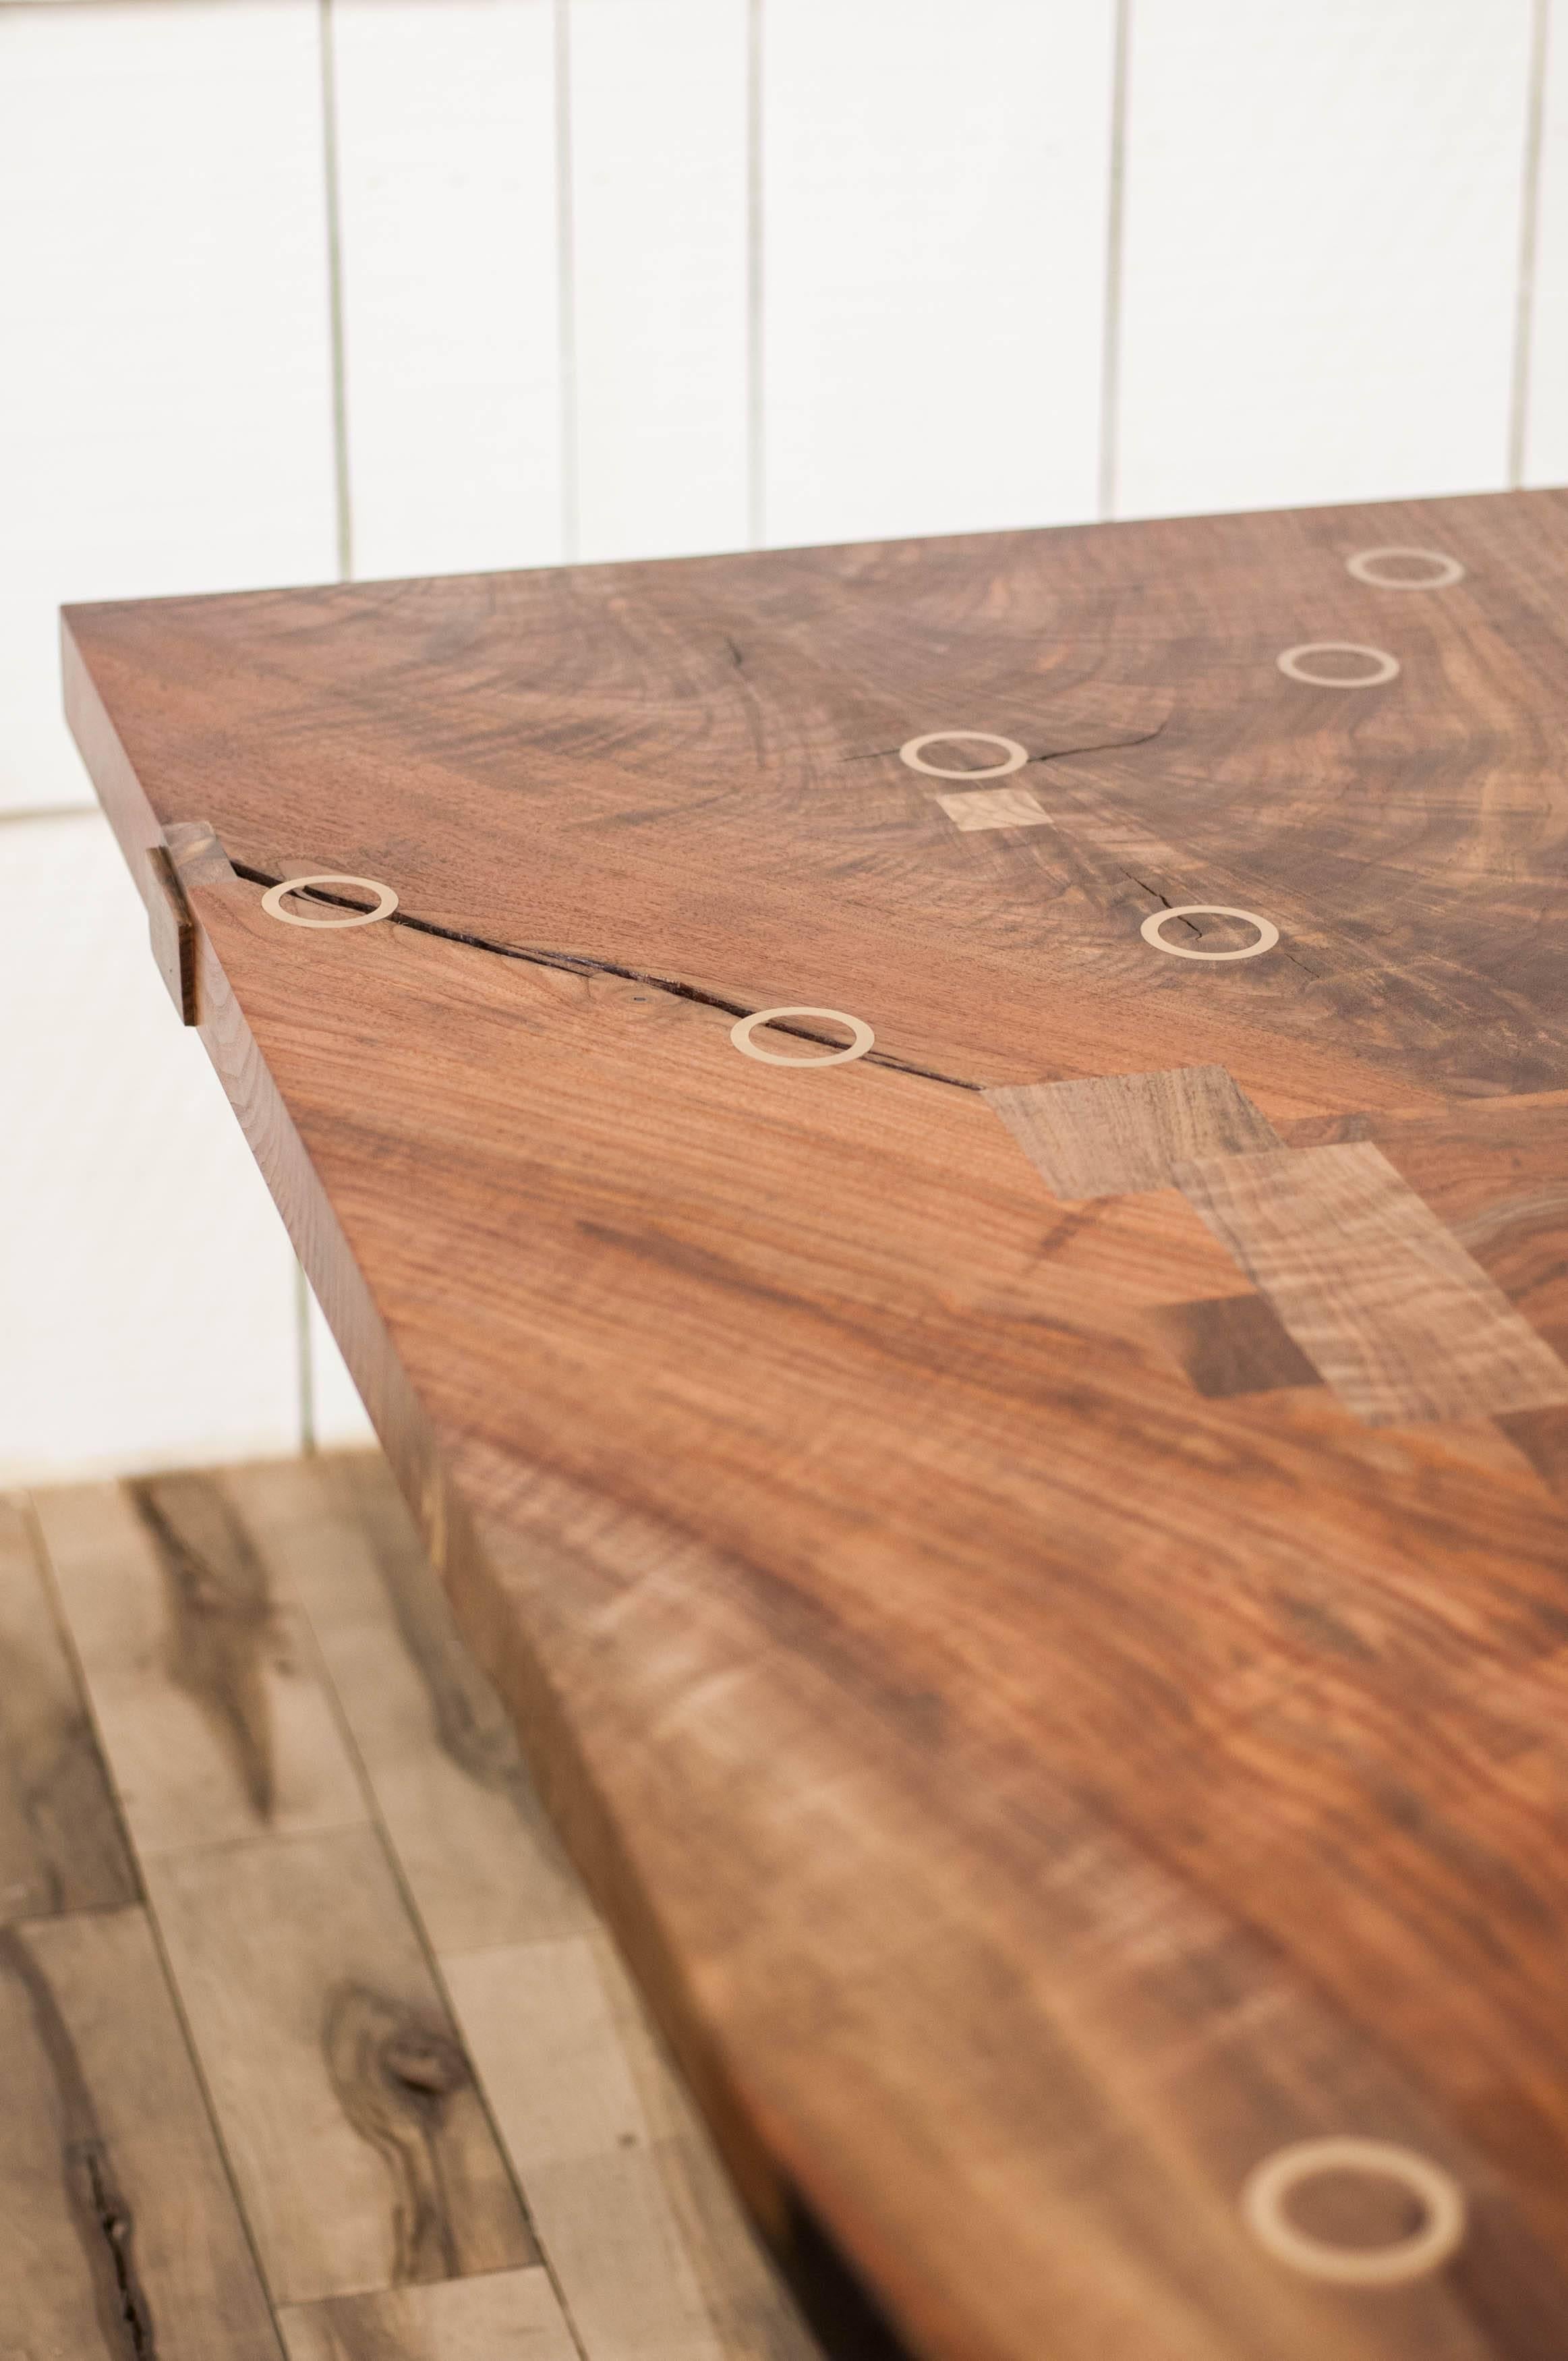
[(212, 1707), (752, 2315), (1497, 1172), (119, 2240), (472, 1840), (1123, 1132), (361, 2150), (509, 2313), (639, 2232), (1381, 1298), (60, 1844), (1030, 1792), (537, 2022)]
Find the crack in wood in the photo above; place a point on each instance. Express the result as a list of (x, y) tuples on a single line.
[(1105, 746), (1056, 753), (99, 2212), (61, 1845), (582, 963)]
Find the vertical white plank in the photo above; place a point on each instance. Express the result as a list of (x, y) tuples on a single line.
[(1546, 439), (933, 193), (658, 97), (145, 1278), (165, 401), (1322, 230), (445, 145)]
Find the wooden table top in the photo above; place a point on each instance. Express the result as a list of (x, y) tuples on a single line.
[(1018, 1513)]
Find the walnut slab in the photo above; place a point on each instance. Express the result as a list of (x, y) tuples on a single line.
[(1026, 1560)]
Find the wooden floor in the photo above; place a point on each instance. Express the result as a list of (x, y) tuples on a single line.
[(313, 2047)]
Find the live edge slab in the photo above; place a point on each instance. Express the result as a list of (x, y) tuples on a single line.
[(1019, 1509)]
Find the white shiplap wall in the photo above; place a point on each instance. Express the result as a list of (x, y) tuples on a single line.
[(445, 203), (935, 179), (290, 288), (1323, 242)]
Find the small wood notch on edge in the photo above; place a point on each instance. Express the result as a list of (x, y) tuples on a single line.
[(172, 931), (190, 854)]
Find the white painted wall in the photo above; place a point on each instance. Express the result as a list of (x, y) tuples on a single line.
[(1323, 242), (934, 176), (290, 288)]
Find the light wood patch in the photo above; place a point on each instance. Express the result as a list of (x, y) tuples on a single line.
[(116, 2222), (1380, 1296), (996, 807), (509, 2316), (1497, 1172), (361, 2149), (1120, 1133), (212, 1706), (60, 1847)]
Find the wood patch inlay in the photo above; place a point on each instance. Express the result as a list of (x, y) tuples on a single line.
[(1542, 1436), (1121, 1132), (996, 807), (1234, 1344), (1376, 1291)]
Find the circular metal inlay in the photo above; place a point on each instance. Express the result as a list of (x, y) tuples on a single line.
[(1267, 934), (1015, 755), (1294, 665), (1441, 2233), (1365, 564), (386, 901), (862, 1037)]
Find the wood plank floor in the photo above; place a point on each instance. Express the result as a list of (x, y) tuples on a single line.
[(316, 2052)]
